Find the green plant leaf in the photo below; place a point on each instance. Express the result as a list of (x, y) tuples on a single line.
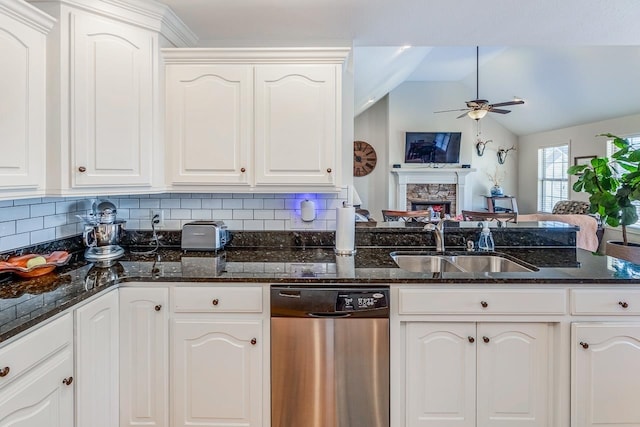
[(628, 215)]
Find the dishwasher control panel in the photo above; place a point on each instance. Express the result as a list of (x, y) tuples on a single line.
[(365, 300)]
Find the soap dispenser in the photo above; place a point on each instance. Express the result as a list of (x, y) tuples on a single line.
[(485, 244)]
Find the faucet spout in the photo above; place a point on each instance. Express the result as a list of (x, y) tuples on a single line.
[(438, 229)]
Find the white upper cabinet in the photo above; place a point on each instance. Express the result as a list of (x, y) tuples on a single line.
[(259, 119), (296, 124), (209, 121), (23, 36), (104, 121), (111, 98)]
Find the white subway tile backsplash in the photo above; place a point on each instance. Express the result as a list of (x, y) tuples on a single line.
[(14, 212), (242, 214), (7, 228), (30, 224), (150, 203), (169, 203), (232, 203), (201, 214), (212, 204), (180, 214), (30, 221), (44, 235), (253, 204), (43, 209), (190, 203)]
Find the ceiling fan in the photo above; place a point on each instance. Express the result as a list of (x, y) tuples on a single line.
[(478, 108)]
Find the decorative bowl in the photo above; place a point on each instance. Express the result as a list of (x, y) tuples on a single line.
[(18, 264)]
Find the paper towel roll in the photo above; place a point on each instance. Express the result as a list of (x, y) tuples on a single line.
[(345, 230), (307, 210)]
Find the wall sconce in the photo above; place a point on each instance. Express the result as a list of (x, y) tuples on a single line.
[(480, 146), (502, 154)]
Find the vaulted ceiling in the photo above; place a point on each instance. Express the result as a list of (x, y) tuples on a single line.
[(574, 61)]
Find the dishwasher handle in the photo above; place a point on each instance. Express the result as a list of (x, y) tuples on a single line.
[(333, 315)]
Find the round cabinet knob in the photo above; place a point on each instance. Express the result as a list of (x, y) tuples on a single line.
[(486, 339), (254, 341), (67, 381), (82, 169), (157, 307), (243, 170), (329, 170), (215, 301), (584, 345), (4, 371), (472, 339), (623, 304), (484, 304)]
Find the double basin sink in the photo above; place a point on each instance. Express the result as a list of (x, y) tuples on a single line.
[(457, 263)]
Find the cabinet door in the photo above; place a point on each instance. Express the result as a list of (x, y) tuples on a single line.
[(41, 398), (97, 362), (605, 375), (22, 105), (513, 374), (144, 356), (440, 374), (209, 118), (296, 124), (111, 92), (216, 375)]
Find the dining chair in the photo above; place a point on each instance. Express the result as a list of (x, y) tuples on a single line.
[(490, 216), (406, 216)]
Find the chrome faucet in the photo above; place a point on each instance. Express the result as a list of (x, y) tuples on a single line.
[(439, 233)]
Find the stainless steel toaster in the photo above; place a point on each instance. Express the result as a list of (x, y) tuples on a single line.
[(204, 236)]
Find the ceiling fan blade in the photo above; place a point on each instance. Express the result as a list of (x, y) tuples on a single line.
[(461, 115), (499, 111), (449, 111), (504, 104)]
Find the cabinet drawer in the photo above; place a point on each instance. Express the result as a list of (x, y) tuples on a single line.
[(21, 355), (214, 299), (477, 301), (611, 301)]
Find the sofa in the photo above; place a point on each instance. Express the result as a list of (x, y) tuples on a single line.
[(574, 212)]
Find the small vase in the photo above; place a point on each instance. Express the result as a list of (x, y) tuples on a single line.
[(496, 190)]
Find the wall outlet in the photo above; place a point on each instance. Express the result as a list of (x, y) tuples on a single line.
[(160, 219)]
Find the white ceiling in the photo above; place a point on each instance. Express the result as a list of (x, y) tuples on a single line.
[(573, 61)]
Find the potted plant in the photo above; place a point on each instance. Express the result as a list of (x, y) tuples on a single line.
[(613, 184)]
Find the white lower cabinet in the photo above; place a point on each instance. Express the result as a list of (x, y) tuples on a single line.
[(144, 357), (605, 374), (477, 374), (36, 386), (97, 367), (216, 358)]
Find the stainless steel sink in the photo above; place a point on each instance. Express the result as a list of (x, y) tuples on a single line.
[(488, 263), (430, 263), (424, 263)]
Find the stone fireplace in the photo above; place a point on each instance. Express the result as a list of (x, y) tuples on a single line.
[(439, 197), (439, 188)]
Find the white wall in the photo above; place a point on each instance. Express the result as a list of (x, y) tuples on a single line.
[(371, 127), (411, 107), (582, 142)]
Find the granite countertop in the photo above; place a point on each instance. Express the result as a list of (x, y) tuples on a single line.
[(307, 258)]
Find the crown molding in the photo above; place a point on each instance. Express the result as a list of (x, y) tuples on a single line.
[(28, 15), (333, 55)]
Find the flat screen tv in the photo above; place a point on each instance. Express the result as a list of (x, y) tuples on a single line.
[(432, 147)]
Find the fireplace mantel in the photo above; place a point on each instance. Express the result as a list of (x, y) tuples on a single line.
[(457, 176)]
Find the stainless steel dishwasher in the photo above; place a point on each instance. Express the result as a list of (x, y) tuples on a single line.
[(329, 356)]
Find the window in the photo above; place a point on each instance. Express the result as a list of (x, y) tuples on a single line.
[(553, 181), (634, 140)]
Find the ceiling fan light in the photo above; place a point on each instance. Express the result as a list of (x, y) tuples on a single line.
[(477, 114)]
